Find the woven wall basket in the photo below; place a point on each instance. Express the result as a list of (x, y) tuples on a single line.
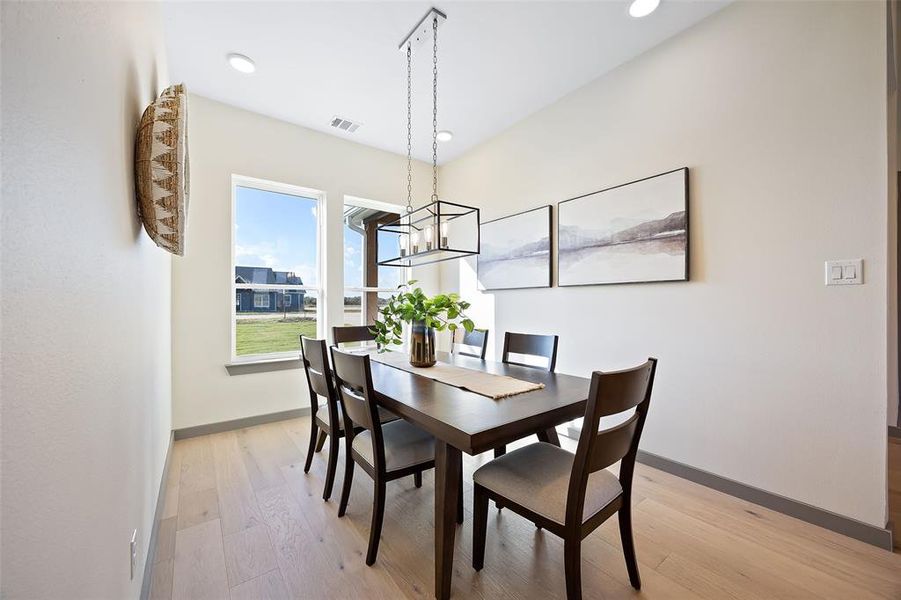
[(161, 169)]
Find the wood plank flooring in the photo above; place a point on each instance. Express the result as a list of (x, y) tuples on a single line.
[(243, 521)]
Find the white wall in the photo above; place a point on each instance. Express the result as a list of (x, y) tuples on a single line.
[(224, 141), (894, 167), (86, 386), (766, 376)]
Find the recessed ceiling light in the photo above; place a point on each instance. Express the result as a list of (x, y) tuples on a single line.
[(445, 135), (642, 8), (241, 63)]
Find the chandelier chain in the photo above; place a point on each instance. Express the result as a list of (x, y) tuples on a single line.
[(409, 130), (435, 109)]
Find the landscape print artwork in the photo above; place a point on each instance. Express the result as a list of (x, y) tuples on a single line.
[(637, 232), (516, 251)]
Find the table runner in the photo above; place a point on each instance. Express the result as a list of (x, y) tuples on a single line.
[(478, 382)]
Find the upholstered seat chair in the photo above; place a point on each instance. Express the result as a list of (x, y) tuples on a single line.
[(322, 416), (386, 451), (569, 494)]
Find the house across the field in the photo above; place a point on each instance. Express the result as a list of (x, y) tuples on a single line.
[(264, 300)]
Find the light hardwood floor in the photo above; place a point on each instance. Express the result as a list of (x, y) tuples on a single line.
[(242, 520)]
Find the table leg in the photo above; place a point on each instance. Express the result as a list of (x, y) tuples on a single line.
[(448, 466)]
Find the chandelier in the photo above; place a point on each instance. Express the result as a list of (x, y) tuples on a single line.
[(440, 230)]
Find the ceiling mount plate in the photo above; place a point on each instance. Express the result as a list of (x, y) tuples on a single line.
[(422, 32)]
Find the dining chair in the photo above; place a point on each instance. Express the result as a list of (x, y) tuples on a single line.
[(351, 333), (568, 494), (529, 344), (535, 346), (470, 343), (326, 420), (386, 451)]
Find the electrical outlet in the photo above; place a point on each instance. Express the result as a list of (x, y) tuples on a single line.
[(133, 552)]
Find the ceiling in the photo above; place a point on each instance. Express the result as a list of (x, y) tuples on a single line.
[(498, 61)]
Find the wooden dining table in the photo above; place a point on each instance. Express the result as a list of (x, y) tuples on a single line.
[(463, 421)]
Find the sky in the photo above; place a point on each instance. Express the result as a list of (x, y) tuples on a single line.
[(279, 231)]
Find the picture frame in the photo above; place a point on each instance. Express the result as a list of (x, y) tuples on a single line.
[(516, 251), (636, 232)]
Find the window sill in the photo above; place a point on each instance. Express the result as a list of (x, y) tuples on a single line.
[(262, 365)]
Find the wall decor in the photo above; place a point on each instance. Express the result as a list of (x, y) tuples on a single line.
[(630, 233), (161, 169), (516, 251)]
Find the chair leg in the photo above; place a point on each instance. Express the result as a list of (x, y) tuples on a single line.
[(460, 500), (572, 566), (479, 526), (378, 514), (314, 431), (332, 465), (321, 442), (417, 479), (625, 532), (348, 479), (499, 452)]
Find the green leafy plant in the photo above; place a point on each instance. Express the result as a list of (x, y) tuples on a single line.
[(443, 312)]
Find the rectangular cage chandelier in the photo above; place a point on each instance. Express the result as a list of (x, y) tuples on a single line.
[(440, 230), (436, 232)]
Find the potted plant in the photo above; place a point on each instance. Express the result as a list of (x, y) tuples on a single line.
[(426, 315)]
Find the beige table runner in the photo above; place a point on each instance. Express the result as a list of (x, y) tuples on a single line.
[(479, 382)]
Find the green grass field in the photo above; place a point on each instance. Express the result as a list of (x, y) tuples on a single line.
[(262, 336)]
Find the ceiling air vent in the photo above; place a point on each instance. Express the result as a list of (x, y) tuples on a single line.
[(345, 124)]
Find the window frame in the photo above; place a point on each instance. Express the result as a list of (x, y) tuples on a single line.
[(318, 290), (407, 271)]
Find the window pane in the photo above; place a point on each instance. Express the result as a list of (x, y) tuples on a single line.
[(275, 238), (360, 235), (383, 298), (389, 247), (353, 258), (353, 308), (271, 320)]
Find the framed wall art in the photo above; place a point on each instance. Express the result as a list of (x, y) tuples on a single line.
[(631, 233), (516, 251)]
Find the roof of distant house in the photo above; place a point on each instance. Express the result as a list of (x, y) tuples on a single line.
[(266, 275)]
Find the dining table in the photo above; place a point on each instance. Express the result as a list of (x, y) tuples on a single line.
[(465, 421)]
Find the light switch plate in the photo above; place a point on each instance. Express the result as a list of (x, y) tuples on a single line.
[(844, 272)]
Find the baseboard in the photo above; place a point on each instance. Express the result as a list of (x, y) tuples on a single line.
[(154, 529), (189, 432), (894, 432), (852, 528)]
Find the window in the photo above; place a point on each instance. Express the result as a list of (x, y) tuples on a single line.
[(276, 267), (367, 286), (261, 300)]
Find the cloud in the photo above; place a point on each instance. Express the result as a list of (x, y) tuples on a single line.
[(307, 273), (349, 251), (256, 255)]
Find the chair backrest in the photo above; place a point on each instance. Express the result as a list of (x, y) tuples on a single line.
[(542, 346), (353, 373), (470, 343), (319, 376), (352, 333), (610, 394)]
